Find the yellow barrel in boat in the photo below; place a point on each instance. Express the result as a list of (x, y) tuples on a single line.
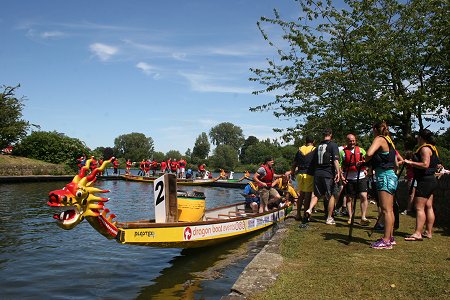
[(191, 209)]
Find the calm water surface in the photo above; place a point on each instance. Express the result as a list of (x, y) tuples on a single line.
[(38, 260)]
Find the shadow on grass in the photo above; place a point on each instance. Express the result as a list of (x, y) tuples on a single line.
[(344, 239)]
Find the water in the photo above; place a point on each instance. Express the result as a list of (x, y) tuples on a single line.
[(38, 260)]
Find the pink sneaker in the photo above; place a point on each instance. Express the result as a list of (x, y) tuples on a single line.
[(392, 241), (381, 244)]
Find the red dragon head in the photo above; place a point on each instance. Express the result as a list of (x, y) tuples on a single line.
[(80, 199)]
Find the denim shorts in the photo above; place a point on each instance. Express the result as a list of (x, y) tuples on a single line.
[(386, 180)]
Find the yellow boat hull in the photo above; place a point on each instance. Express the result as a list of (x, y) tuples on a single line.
[(197, 234)]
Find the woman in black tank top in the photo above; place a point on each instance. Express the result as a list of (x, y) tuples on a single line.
[(424, 162)]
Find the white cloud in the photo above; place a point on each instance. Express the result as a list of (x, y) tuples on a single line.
[(102, 51), (147, 69), (206, 83), (52, 34)]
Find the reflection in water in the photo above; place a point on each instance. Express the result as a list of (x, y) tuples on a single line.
[(188, 271), (39, 258)]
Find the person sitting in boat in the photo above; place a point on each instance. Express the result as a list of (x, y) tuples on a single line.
[(189, 174), (222, 174), (264, 177), (246, 176), (251, 197), (202, 170), (284, 185)]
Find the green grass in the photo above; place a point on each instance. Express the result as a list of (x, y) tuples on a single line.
[(319, 264), (15, 166)]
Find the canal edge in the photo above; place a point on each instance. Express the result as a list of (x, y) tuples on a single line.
[(263, 269)]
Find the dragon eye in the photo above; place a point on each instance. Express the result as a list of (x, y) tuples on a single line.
[(79, 194)]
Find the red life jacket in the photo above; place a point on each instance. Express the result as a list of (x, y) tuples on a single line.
[(351, 159), (173, 165), (268, 178)]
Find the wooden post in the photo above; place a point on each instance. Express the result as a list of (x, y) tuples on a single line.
[(165, 196)]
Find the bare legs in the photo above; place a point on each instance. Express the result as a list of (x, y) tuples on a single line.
[(425, 216), (386, 204)]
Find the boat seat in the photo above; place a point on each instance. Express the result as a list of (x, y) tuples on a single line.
[(211, 218), (224, 215)]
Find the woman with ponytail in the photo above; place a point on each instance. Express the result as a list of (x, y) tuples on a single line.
[(382, 156), (424, 163)]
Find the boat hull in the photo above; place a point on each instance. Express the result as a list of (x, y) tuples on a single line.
[(197, 234)]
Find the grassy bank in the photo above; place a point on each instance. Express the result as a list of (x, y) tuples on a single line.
[(318, 264), (17, 166)]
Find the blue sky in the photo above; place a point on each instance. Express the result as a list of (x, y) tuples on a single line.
[(169, 69)]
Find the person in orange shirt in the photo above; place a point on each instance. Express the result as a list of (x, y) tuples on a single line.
[(93, 163), (181, 168), (128, 167), (116, 166), (141, 168), (163, 166)]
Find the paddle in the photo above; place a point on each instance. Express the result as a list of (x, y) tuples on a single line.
[(396, 206), (350, 231), (340, 200)]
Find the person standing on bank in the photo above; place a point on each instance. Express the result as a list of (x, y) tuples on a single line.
[(382, 156), (424, 162), (354, 183), (264, 177), (326, 172), (305, 180)]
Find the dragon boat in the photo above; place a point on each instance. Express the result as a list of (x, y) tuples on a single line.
[(181, 220), (180, 181), (228, 183)]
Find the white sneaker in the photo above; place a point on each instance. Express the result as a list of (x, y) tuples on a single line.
[(330, 221)]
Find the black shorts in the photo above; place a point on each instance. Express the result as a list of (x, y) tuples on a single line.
[(352, 188), (426, 186), (323, 186)]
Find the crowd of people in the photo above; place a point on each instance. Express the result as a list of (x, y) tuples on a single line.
[(153, 167), (341, 175)]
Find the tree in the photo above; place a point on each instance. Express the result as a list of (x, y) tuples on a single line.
[(174, 154), (12, 127), (346, 68), (158, 156), (256, 153), (225, 157), (134, 146), (251, 140), (201, 148), (52, 147), (227, 134)]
